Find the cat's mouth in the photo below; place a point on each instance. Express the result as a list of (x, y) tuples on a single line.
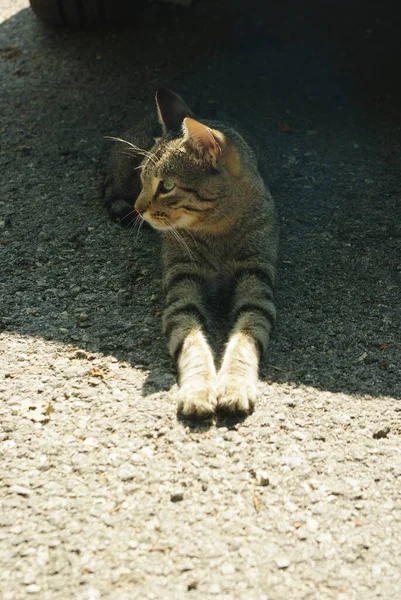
[(157, 222), (162, 223)]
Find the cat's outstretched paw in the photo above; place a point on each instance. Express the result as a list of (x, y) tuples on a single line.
[(235, 396), (199, 404)]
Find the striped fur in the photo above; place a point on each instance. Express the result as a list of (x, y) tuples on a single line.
[(202, 189)]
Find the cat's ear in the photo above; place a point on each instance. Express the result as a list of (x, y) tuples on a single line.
[(203, 139), (171, 109)]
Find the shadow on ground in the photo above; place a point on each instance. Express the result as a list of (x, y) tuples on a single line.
[(324, 103)]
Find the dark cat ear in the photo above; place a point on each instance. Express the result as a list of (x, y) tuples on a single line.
[(203, 139), (171, 109)]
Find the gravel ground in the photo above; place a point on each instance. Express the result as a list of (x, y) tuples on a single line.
[(104, 493)]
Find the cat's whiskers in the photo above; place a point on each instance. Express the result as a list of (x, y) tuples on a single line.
[(126, 153), (138, 229), (132, 226), (144, 153), (220, 212), (132, 212), (130, 144), (191, 236), (133, 147), (179, 239), (136, 223)]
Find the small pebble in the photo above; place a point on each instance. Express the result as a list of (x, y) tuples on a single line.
[(302, 533), (20, 490), (176, 496), (382, 432), (263, 478), (312, 525), (227, 569), (325, 538), (32, 589), (126, 473), (283, 562), (193, 585)]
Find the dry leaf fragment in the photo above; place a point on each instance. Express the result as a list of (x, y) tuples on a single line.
[(256, 501), (384, 346), (276, 368), (49, 409), (96, 372), (22, 148), (11, 52), (285, 127)]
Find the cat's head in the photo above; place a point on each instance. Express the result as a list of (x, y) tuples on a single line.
[(191, 173)]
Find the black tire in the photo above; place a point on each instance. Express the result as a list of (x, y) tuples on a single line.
[(81, 13)]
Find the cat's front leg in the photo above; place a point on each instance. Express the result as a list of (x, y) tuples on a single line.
[(238, 376), (197, 396), (254, 316), (184, 322)]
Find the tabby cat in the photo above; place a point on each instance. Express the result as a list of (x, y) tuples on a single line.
[(199, 185)]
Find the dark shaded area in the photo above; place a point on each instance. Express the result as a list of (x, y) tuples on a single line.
[(318, 87), (87, 13)]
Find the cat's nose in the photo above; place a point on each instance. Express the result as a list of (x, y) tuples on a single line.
[(142, 203)]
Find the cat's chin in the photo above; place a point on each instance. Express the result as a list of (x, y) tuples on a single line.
[(158, 226)]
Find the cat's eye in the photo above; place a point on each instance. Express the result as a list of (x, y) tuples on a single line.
[(166, 186)]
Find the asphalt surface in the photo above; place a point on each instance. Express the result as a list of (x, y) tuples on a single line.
[(104, 493)]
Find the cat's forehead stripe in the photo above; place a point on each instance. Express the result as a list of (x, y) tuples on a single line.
[(155, 184)]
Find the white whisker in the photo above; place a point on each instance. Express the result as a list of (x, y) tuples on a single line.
[(193, 239), (180, 239), (132, 212), (129, 154), (217, 210), (132, 146), (136, 224), (138, 230)]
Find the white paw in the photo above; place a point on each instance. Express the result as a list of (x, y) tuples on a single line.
[(235, 396), (197, 403)]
